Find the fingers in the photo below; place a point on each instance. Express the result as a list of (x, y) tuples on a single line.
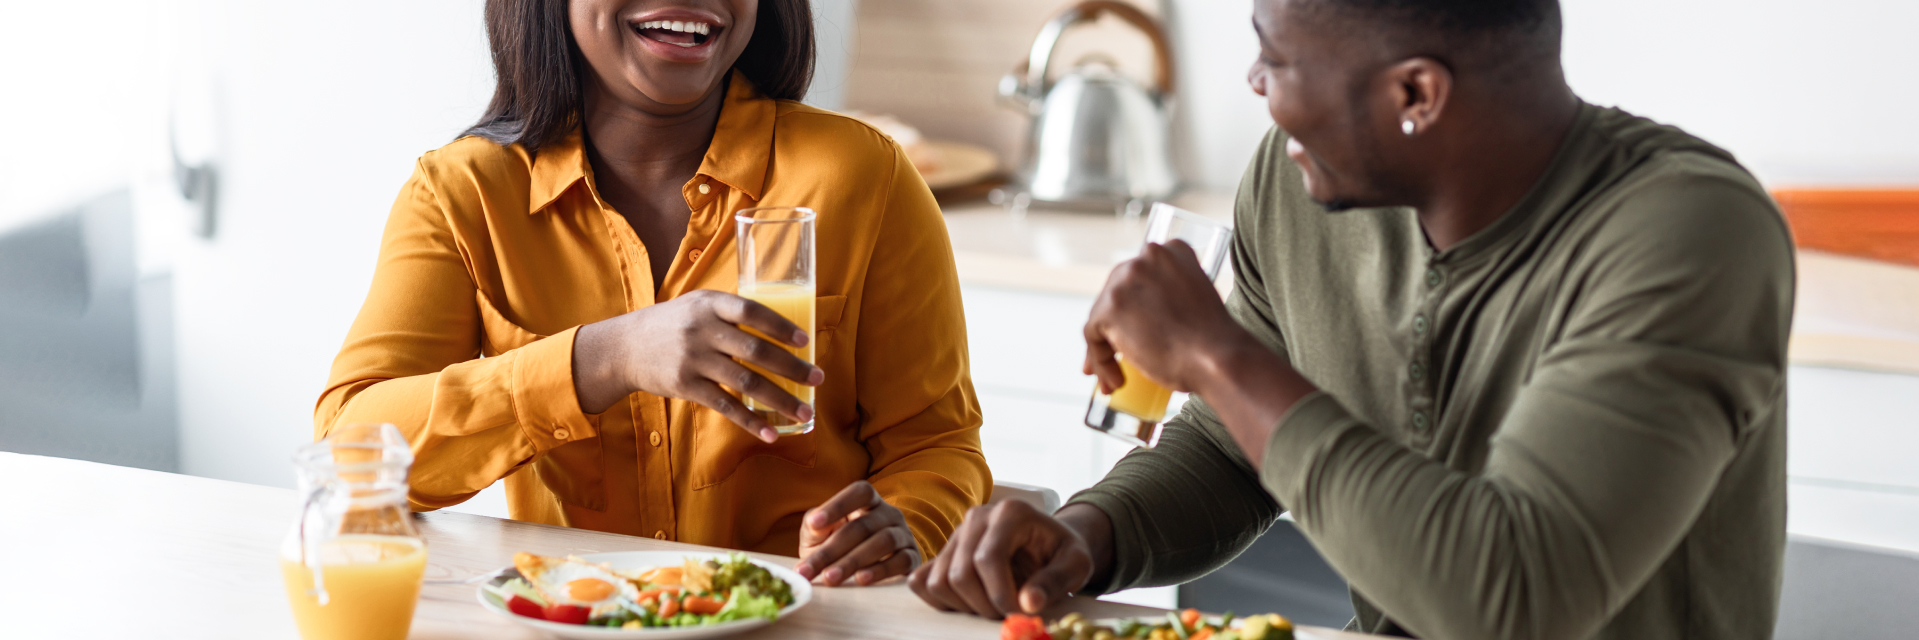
[(832, 557), (857, 495), (753, 385), (1066, 573), (962, 576), (883, 544), (822, 523), (993, 557), (754, 350), (747, 313), (900, 564), (717, 399), (932, 581)]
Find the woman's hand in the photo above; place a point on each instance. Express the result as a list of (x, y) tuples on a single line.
[(857, 535), (685, 348)]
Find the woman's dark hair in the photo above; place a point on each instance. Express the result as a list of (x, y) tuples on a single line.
[(540, 77)]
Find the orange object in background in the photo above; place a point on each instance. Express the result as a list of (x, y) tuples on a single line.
[(1881, 224)]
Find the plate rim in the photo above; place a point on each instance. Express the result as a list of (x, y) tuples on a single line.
[(802, 595)]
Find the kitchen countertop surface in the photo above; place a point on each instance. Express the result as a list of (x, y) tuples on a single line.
[(99, 551), (1852, 312)]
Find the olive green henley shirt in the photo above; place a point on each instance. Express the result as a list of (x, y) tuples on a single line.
[(1570, 425)]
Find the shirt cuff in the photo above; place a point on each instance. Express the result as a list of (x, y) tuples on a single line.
[(1310, 427), (544, 401)]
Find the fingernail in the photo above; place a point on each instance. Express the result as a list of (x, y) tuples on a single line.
[(814, 378), (805, 570), (864, 577), (819, 520), (832, 576), (805, 413), (799, 338), (770, 435)]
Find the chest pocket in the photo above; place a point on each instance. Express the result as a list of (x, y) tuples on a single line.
[(720, 447), (576, 471)]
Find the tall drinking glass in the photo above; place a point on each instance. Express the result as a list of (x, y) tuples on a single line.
[(777, 270), (1135, 410), (353, 562)]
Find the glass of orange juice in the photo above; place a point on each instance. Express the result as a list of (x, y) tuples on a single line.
[(777, 270), (353, 563), (1135, 411)]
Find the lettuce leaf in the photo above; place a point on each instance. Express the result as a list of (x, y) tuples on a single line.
[(743, 604)]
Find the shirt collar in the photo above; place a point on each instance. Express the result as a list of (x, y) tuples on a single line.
[(738, 156)]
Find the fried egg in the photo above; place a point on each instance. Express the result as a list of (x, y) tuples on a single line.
[(572, 580)]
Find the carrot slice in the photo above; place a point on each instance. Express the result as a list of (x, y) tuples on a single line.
[(1189, 617), (704, 606)]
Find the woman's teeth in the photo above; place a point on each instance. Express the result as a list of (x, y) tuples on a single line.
[(682, 27)]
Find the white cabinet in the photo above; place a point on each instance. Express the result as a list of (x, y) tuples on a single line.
[(1026, 353)]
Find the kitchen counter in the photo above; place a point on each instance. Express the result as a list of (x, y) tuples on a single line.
[(1852, 312)]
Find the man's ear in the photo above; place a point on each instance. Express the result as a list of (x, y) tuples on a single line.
[(1421, 87)]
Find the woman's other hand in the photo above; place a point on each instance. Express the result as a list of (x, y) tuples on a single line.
[(686, 348), (856, 535)]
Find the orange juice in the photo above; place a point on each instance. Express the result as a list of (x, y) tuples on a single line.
[(372, 583), (1139, 396), (795, 303)]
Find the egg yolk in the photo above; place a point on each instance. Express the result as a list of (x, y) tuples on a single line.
[(589, 589)]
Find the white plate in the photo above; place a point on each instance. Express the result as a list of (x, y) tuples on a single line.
[(802, 593)]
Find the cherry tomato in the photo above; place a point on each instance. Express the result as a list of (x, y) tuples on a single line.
[(1023, 627), (567, 613), (525, 607)]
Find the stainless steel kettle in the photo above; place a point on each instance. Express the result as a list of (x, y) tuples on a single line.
[(1098, 138)]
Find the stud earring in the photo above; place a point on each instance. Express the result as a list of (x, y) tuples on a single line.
[(1407, 126)]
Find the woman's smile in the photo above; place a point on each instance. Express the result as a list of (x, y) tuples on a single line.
[(678, 34)]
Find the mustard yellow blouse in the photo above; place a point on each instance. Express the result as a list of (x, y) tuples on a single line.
[(493, 258)]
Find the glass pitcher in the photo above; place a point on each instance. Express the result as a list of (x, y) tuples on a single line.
[(353, 562)]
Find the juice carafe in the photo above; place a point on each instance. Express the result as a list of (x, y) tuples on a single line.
[(353, 562)]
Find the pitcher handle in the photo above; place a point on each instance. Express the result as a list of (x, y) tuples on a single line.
[(310, 547)]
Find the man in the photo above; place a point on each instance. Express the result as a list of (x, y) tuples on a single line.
[(1519, 373)]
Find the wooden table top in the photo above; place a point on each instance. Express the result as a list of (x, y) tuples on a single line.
[(98, 551)]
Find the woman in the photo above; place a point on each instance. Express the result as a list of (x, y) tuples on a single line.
[(579, 241)]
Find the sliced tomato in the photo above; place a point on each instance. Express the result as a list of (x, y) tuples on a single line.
[(1023, 627), (525, 607), (1190, 618), (567, 613)]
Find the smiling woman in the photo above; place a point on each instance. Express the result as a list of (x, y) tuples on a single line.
[(555, 302)]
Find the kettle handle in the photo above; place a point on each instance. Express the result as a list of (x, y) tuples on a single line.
[(1034, 67)]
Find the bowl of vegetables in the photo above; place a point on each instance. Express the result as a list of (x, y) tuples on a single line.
[(651, 595), (1176, 625)]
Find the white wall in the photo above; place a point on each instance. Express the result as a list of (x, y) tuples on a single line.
[(1804, 93)]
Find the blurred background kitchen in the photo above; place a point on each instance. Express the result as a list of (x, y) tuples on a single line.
[(193, 194)]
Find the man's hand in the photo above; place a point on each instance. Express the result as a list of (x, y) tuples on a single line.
[(1164, 316), (1161, 311), (857, 535), (1010, 558)]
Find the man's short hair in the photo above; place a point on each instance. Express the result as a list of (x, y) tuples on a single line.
[(1487, 33)]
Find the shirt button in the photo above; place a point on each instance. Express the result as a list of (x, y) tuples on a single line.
[(654, 438), (705, 188), (1419, 324), (1432, 277), (660, 535), (1419, 420), (694, 255), (1416, 371), (561, 433)]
